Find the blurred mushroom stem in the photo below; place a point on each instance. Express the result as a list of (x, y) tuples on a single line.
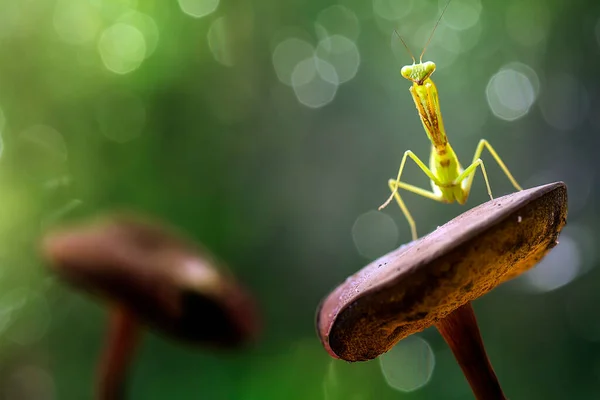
[(122, 339), (461, 332)]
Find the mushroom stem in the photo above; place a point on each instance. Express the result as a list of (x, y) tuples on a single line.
[(122, 338), (461, 332)]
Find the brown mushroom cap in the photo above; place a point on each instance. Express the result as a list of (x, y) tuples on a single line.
[(413, 287), (166, 282)]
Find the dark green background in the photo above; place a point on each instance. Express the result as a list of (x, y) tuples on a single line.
[(274, 187)]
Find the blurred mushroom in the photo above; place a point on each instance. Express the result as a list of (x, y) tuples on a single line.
[(433, 280), (152, 276)]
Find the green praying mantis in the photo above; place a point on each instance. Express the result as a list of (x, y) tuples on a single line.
[(449, 181)]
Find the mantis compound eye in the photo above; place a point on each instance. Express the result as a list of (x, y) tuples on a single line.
[(429, 67), (406, 72)]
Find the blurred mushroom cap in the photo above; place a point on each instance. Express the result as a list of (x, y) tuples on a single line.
[(168, 283), (415, 286)]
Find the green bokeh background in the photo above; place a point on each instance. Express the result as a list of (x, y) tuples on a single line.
[(273, 187)]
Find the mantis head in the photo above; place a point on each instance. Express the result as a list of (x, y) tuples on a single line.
[(418, 73)]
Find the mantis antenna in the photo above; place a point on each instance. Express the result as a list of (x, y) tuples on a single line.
[(433, 31), (406, 47)]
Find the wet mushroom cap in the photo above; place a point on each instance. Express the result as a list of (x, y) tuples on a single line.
[(168, 283), (413, 287)]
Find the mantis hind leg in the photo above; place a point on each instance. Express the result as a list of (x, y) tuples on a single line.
[(395, 185), (469, 172)]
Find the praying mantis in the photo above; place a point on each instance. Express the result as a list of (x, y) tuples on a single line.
[(449, 181)]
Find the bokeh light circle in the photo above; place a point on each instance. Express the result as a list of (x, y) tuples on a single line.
[(147, 27), (337, 20), (461, 14), (557, 269), (469, 38), (584, 235), (409, 365), (374, 233), (565, 103), (286, 56), (444, 48), (122, 48), (392, 10), (198, 8), (315, 82), (342, 53), (510, 93), (344, 380)]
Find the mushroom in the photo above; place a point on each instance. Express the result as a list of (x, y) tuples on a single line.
[(152, 276), (433, 280)]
